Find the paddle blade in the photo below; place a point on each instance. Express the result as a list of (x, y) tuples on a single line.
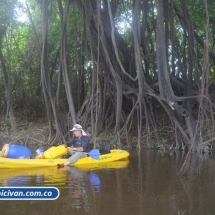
[(94, 154)]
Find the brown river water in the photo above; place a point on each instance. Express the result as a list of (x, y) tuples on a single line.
[(147, 183)]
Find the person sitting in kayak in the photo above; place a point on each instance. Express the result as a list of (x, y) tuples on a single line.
[(78, 146)]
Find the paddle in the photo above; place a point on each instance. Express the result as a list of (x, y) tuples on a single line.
[(94, 153)]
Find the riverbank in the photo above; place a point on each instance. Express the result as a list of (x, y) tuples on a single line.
[(36, 132)]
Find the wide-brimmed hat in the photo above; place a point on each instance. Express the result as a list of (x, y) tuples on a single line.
[(78, 127)]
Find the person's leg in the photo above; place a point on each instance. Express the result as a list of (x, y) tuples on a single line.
[(77, 156), (69, 154), (73, 159)]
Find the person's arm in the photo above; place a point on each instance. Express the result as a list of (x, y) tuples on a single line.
[(85, 145), (70, 143), (70, 146), (76, 149)]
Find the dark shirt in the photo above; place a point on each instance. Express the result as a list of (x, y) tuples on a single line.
[(83, 141)]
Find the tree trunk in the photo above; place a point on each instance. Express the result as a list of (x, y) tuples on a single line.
[(61, 125), (63, 17), (45, 94), (10, 118), (165, 87)]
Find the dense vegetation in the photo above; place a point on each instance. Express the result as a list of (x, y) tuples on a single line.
[(143, 68)]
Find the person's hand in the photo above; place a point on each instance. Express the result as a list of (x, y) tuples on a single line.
[(69, 148)]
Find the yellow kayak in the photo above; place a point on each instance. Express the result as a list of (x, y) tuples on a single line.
[(52, 176), (114, 155), (10, 173)]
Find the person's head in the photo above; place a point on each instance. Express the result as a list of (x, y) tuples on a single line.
[(78, 131)]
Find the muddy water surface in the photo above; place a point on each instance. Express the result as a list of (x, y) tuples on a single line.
[(147, 183)]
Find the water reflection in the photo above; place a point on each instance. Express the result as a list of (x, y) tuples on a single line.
[(77, 180), (55, 177), (32, 177), (162, 190), (95, 182), (147, 184), (79, 187)]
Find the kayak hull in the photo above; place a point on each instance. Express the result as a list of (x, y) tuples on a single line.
[(9, 163)]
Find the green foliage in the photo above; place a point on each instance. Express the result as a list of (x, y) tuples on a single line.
[(163, 140)]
